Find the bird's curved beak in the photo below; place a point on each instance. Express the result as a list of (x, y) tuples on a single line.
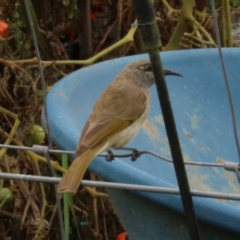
[(169, 72)]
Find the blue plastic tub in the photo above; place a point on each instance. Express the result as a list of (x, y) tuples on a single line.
[(204, 124)]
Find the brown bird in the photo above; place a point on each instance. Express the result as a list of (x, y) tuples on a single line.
[(116, 118)]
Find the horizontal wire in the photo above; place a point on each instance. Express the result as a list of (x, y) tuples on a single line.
[(203, 164), (132, 187), (31, 149)]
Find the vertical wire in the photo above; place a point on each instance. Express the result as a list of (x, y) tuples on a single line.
[(27, 6), (150, 37), (226, 78)]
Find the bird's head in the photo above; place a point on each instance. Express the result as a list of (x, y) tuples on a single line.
[(143, 73)]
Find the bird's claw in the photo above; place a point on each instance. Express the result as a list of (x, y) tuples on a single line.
[(110, 156), (135, 154)]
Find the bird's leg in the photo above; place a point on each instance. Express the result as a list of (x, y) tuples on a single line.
[(110, 156), (135, 152)]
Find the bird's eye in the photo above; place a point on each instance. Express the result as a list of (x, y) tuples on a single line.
[(141, 68), (146, 68)]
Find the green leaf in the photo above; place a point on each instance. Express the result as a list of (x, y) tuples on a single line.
[(236, 3)]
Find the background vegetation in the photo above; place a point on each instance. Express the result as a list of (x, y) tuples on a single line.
[(70, 30)]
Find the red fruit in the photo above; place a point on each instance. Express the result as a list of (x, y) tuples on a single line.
[(3, 28), (121, 236)]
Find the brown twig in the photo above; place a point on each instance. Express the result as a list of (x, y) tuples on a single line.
[(104, 38), (95, 208)]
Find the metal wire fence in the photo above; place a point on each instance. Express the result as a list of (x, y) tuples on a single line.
[(227, 165), (134, 153)]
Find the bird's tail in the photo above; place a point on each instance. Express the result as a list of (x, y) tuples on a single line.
[(72, 179)]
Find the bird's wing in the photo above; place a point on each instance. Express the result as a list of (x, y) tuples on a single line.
[(120, 105)]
